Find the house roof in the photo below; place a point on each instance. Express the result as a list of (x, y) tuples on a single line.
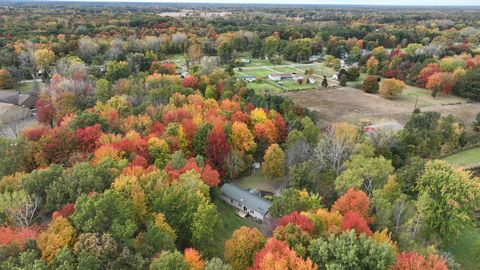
[(251, 201)]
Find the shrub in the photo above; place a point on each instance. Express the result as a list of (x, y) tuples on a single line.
[(390, 88), (353, 74), (370, 85)]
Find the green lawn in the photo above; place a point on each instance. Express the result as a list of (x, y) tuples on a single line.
[(258, 72), (263, 87), (26, 87), (464, 251), (285, 69), (260, 182), (229, 222), (177, 57), (262, 62), (465, 159), (292, 85)]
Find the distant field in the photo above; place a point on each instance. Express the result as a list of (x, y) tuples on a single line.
[(260, 72), (263, 87), (465, 159), (291, 85)]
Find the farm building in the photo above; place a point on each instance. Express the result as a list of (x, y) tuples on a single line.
[(249, 202), (280, 77), (248, 78)]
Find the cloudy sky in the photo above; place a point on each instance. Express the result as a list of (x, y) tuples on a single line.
[(357, 2)]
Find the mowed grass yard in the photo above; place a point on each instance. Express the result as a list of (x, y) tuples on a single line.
[(465, 159), (229, 222), (465, 249)]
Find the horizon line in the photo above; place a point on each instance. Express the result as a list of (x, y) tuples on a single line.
[(246, 2)]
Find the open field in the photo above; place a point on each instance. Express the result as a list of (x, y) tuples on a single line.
[(348, 104), (465, 159), (263, 86), (263, 68)]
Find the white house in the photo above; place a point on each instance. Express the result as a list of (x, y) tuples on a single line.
[(250, 202)]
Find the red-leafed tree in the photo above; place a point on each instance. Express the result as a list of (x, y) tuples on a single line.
[(210, 176), (353, 201), (277, 255), (299, 220), (88, 137), (17, 236), (218, 148), (65, 211), (46, 112), (415, 261), (190, 82), (353, 221)]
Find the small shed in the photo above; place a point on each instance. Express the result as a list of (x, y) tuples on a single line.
[(249, 202), (248, 78)]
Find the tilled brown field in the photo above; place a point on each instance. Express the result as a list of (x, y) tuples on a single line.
[(352, 105)]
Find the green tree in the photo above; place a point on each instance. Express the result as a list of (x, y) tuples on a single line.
[(105, 212), (271, 46), (116, 70), (217, 264), (205, 223), (351, 252), (169, 260), (453, 195), (304, 176), (364, 173), (294, 200), (274, 162)]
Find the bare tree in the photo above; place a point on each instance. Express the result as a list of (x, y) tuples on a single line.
[(332, 151), (19, 207)]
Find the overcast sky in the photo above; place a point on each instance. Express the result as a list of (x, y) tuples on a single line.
[(345, 2)]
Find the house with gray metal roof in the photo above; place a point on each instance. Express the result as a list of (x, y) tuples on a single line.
[(250, 201)]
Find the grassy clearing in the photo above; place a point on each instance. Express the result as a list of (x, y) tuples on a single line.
[(260, 182), (229, 222), (261, 62), (291, 85), (285, 69), (178, 59), (465, 159), (464, 249), (263, 86), (260, 72)]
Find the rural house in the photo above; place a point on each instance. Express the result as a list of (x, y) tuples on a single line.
[(249, 202)]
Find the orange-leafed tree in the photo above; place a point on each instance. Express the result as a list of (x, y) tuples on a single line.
[(241, 137), (242, 246), (17, 236), (193, 259), (277, 255), (415, 261), (353, 201)]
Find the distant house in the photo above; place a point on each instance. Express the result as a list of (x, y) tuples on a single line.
[(311, 80), (315, 58), (297, 77), (280, 77), (383, 127), (245, 60), (250, 202), (248, 78), (16, 98)]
